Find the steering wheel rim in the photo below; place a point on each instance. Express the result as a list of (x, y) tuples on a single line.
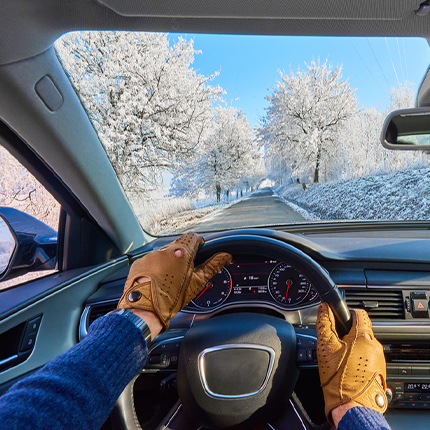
[(124, 412), (209, 347), (266, 246)]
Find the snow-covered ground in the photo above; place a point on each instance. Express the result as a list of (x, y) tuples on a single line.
[(403, 195), (171, 216)]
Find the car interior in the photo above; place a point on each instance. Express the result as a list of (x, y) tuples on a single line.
[(382, 267)]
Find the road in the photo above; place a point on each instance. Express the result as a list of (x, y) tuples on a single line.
[(261, 208)]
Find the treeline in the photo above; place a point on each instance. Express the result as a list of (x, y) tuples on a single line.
[(155, 114), (314, 130)]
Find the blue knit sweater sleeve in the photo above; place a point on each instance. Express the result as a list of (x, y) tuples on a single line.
[(360, 418), (78, 389)]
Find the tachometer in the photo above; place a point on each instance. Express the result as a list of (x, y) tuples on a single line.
[(216, 291), (287, 285)]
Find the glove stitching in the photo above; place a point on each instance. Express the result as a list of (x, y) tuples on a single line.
[(366, 387), (349, 352), (187, 272), (155, 302)]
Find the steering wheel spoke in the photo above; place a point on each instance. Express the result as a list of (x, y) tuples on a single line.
[(243, 367), (239, 368)]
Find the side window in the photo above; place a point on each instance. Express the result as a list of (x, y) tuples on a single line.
[(29, 218)]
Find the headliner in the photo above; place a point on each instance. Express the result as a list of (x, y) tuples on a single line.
[(29, 27)]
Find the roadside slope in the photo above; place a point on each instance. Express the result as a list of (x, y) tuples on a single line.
[(403, 195)]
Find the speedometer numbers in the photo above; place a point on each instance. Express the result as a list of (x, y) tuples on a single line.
[(215, 292), (289, 287), (255, 279)]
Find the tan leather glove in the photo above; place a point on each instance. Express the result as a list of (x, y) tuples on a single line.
[(174, 280), (349, 367)]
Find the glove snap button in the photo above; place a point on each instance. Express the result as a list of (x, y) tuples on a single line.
[(380, 401), (134, 296)]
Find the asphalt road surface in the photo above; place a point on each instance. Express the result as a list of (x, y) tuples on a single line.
[(262, 208)]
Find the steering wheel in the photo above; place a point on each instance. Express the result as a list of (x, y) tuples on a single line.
[(241, 368), (237, 369)]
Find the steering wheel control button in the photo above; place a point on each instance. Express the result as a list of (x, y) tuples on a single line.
[(164, 355), (420, 307), (134, 296), (306, 349), (301, 356)]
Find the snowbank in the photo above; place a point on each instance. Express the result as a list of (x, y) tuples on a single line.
[(403, 195)]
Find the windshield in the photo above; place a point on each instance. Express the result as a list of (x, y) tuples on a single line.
[(210, 132)]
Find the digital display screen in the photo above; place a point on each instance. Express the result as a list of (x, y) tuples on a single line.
[(249, 274), (414, 387)]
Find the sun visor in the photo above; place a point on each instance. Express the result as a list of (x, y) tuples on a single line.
[(275, 9)]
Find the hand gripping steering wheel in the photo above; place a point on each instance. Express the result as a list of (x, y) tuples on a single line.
[(241, 368)]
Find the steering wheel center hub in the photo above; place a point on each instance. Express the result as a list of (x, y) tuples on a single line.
[(236, 367), (220, 365)]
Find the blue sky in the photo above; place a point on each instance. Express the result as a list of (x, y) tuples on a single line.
[(249, 65)]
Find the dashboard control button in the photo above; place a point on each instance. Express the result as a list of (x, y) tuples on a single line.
[(393, 370), (32, 326), (28, 342), (398, 386), (420, 307), (413, 396), (399, 396), (405, 370), (420, 371), (389, 394)]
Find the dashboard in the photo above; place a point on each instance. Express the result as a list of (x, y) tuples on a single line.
[(256, 279), (380, 274)]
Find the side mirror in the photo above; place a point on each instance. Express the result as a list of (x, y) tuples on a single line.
[(407, 129), (34, 244), (7, 246)]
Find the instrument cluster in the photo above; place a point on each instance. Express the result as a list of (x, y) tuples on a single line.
[(252, 279)]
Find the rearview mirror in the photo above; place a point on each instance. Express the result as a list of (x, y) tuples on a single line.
[(34, 244), (407, 129)]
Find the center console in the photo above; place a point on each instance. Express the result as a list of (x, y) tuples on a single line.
[(408, 381)]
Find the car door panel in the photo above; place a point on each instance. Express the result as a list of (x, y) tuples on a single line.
[(60, 306)]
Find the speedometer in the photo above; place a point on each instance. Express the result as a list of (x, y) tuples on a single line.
[(287, 285), (216, 290)]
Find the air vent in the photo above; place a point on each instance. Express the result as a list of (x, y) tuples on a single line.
[(380, 304), (98, 310)]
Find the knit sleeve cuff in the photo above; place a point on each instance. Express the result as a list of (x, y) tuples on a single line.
[(363, 418)]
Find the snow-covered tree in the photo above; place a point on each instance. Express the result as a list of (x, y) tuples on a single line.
[(228, 159), (360, 152), (306, 112), (148, 105), (20, 189), (402, 97)]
